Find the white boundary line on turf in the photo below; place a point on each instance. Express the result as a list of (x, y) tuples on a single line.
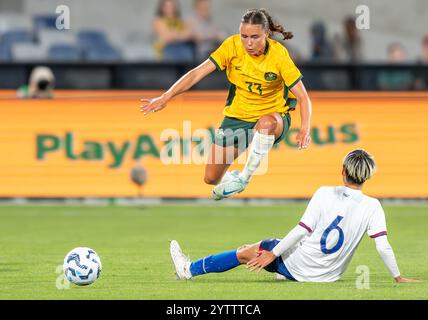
[(175, 202)]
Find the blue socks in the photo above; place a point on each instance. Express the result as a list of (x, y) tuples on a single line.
[(216, 263)]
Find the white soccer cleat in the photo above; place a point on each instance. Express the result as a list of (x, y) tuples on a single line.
[(180, 261), (232, 185), (216, 196), (226, 178)]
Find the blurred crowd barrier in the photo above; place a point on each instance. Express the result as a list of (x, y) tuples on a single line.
[(86, 144), (152, 76)]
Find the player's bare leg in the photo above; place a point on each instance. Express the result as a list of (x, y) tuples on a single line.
[(216, 173), (219, 160), (248, 252), (268, 129)]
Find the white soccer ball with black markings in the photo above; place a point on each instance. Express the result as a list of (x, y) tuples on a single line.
[(82, 266)]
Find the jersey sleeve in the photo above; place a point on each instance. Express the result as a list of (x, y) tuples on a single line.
[(377, 223), (222, 56), (312, 213), (288, 70)]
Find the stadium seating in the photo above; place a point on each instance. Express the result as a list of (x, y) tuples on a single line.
[(10, 21), (91, 38), (28, 52), (15, 36), (4, 53), (178, 52), (64, 52), (139, 52), (96, 46), (102, 53), (49, 37), (11, 38), (44, 22)]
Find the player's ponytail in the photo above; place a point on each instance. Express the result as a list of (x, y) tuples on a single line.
[(261, 16)]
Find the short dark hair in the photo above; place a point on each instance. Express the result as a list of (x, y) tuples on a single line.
[(359, 166)]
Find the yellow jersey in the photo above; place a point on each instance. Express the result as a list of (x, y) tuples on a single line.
[(259, 85)]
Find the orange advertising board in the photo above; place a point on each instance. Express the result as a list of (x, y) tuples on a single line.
[(84, 144)]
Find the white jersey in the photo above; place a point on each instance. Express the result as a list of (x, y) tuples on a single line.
[(337, 218)]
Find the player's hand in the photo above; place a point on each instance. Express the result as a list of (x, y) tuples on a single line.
[(152, 105), (399, 279), (303, 138), (262, 260)]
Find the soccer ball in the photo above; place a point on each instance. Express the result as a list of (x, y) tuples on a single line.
[(82, 266)]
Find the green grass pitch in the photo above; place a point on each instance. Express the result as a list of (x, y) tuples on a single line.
[(134, 249)]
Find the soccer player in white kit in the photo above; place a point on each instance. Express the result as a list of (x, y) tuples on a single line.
[(321, 246)]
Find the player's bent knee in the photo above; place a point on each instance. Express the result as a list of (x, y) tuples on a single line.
[(247, 252), (243, 247), (211, 180), (242, 253), (267, 124)]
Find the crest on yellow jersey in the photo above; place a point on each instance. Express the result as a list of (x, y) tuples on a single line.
[(270, 76)]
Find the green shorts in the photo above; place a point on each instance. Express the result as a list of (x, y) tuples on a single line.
[(240, 133)]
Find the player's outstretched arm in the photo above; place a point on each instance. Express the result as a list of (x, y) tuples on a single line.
[(304, 136), (387, 254), (181, 85)]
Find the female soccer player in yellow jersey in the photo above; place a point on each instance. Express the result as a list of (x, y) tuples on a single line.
[(265, 87)]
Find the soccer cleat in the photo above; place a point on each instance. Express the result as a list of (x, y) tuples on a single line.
[(233, 185), (180, 261), (226, 178), (216, 196)]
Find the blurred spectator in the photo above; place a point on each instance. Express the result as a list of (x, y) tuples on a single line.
[(348, 46), (173, 34), (40, 86), (321, 46), (396, 79), (206, 34), (421, 81), (396, 53), (423, 59)]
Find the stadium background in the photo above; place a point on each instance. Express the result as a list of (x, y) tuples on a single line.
[(347, 113), (77, 152)]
